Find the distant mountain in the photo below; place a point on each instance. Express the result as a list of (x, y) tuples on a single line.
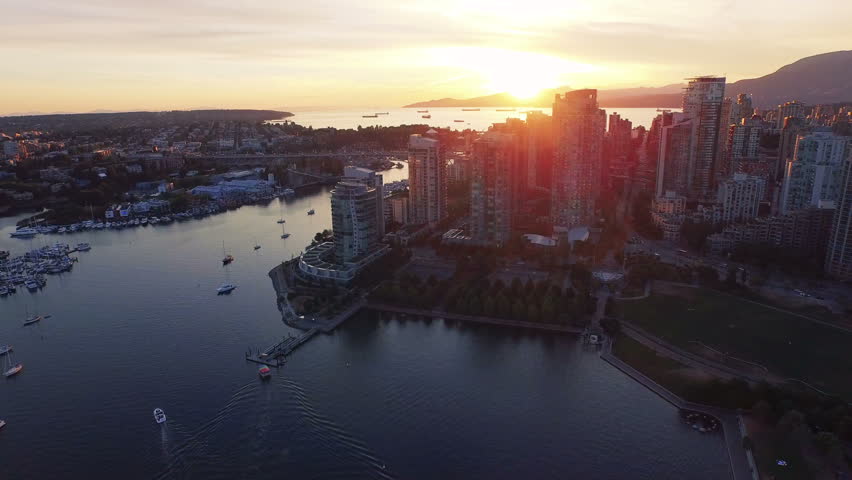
[(825, 78), (667, 96), (94, 121)]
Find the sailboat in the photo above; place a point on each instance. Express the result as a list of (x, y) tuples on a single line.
[(12, 368), (283, 233), (31, 319), (4, 349), (226, 259), (281, 219)]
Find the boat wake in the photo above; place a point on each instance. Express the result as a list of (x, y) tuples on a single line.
[(267, 429)]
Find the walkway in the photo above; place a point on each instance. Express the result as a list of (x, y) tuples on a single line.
[(741, 466)]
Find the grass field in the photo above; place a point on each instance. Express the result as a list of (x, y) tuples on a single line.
[(788, 345)]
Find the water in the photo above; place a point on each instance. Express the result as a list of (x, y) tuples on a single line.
[(441, 117), (137, 325)]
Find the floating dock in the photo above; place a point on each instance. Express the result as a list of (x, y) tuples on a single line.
[(276, 355)]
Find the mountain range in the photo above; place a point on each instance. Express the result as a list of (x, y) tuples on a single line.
[(825, 78)]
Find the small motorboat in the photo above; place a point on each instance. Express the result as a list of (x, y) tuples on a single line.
[(4, 349), (83, 247), (285, 235), (280, 221), (2, 423), (264, 372), (311, 212), (159, 415), (227, 259), (257, 247), (11, 372), (226, 288), (33, 319)]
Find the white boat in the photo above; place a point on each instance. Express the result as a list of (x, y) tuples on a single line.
[(226, 288), (83, 247), (4, 349), (2, 423), (25, 232), (12, 368), (289, 191), (33, 319), (159, 415)]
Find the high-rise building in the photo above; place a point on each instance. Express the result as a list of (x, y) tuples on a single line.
[(742, 110), (814, 175), (838, 258), (374, 181), (427, 179), (740, 196), (491, 202), (399, 209), (539, 150), (578, 129), (618, 148), (789, 109), (743, 141), (675, 152), (787, 144), (704, 104), (355, 223)]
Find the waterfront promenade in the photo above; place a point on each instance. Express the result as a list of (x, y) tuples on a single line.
[(741, 462)]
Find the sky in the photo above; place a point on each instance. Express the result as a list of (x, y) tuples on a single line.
[(89, 55)]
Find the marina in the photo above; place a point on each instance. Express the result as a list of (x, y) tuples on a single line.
[(29, 270)]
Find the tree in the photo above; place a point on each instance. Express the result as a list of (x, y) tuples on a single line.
[(826, 442), (518, 310), (533, 314), (516, 287), (489, 306), (474, 306), (504, 307), (548, 309)]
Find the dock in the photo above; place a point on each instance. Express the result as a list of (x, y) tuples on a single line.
[(276, 355)]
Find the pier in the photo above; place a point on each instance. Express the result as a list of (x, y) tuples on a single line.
[(276, 355)]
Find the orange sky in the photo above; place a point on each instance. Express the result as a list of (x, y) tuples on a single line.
[(84, 55)]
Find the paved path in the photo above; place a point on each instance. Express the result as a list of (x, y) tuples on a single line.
[(739, 463)]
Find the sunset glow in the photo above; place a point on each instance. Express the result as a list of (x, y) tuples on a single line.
[(84, 55)]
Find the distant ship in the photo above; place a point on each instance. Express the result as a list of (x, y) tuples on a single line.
[(369, 116), (426, 116), (458, 121), (422, 111), (382, 113), (470, 109), (505, 109)]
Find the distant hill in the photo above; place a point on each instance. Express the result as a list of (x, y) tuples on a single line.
[(668, 96), (825, 78), (94, 121)]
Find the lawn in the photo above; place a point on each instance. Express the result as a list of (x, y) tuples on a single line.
[(788, 345)]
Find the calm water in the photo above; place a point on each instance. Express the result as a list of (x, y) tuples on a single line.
[(137, 325), (441, 117)]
